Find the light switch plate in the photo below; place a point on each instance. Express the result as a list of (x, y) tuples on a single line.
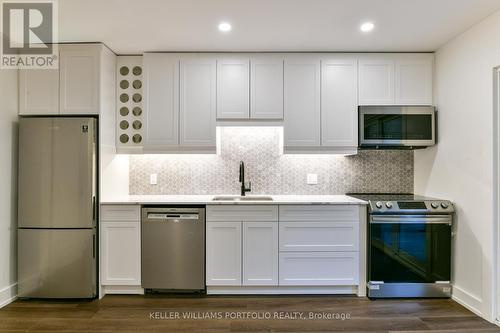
[(312, 178), (153, 179)]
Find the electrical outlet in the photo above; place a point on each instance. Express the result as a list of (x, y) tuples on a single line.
[(312, 178), (153, 179)]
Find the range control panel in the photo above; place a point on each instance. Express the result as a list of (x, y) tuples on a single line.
[(405, 207)]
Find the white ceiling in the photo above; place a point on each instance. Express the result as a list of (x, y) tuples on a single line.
[(135, 26)]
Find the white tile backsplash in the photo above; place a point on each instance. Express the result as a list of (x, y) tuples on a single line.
[(269, 170)]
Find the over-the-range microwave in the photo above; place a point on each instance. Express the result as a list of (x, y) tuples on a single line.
[(397, 127)]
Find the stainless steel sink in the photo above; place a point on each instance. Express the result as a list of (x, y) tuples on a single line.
[(241, 198)]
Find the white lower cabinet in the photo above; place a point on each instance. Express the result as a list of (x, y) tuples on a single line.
[(121, 253), (284, 249), (120, 249), (223, 255), (319, 268), (260, 253)]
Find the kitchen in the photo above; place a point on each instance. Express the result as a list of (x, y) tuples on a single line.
[(228, 175)]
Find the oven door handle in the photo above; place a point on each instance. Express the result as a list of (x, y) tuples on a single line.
[(410, 219)]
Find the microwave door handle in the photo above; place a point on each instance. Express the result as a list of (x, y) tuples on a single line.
[(410, 219)]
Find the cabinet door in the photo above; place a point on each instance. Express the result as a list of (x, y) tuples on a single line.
[(266, 90), (223, 257), (260, 253), (233, 81), (376, 81), (161, 101), (339, 111), (121, 253), (197, 102), (319, 268), (302, 101), (38, 92), (79, 70), (414, 80)]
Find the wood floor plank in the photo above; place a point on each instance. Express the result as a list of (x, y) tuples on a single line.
[(135, 313)]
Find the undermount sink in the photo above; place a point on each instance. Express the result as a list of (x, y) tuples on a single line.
[(242, 198)]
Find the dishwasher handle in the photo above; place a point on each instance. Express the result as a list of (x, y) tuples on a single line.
[(156, 217)]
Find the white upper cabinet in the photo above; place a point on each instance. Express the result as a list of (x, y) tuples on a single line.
[(179, 103), (161, 102), (302, 101), (396, 79), (266, 87), (197, 101), (79, 72), (233, 88), (38, 91), (76, 88), (376, 81), (339, 89), (414, 80)]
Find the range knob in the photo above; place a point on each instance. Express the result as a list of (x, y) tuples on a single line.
[(378, 205), (444, 205), (388, 204), (435, 205)]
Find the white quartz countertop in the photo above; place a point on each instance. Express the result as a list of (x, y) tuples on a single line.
[(208, 199)]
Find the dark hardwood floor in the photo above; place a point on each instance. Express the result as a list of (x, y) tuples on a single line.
[(126, 314)]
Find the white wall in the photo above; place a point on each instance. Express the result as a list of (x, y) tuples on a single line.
[(460, 168), (8, 184)]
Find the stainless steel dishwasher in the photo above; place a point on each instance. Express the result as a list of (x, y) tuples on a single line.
[(173, 248)]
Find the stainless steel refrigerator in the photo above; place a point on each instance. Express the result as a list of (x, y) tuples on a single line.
[(57, 207)]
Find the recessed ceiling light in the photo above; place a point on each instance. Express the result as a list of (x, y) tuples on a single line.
[(224, 27), (367, 26)]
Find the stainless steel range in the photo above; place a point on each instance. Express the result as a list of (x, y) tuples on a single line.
[(409, 245)]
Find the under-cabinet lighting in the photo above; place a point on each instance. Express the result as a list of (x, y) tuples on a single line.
[(367, 27), (224, 27)]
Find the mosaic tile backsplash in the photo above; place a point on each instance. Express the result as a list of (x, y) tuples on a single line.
[(270, 171)]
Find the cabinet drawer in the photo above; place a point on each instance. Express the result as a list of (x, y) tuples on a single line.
[(319, 268), (121, 213), (327, 213), (229, 213), (319, 236)]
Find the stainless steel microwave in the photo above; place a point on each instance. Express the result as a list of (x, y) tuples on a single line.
[(397, 127)]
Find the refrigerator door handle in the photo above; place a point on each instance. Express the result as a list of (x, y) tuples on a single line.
[(94, 210), (93, 246)]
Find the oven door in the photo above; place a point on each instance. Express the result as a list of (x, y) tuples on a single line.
[(396, 126), (409, 248)]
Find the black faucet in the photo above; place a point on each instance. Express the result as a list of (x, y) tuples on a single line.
[(244, 189)]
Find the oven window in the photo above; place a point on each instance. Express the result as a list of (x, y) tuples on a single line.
[(397, 127), (412, 253)]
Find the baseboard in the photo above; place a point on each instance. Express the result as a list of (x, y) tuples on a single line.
[(8, 295), (467, 300), (122, 290), (282, 290)]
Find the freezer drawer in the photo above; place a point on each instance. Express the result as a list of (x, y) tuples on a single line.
[(56, 263)]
